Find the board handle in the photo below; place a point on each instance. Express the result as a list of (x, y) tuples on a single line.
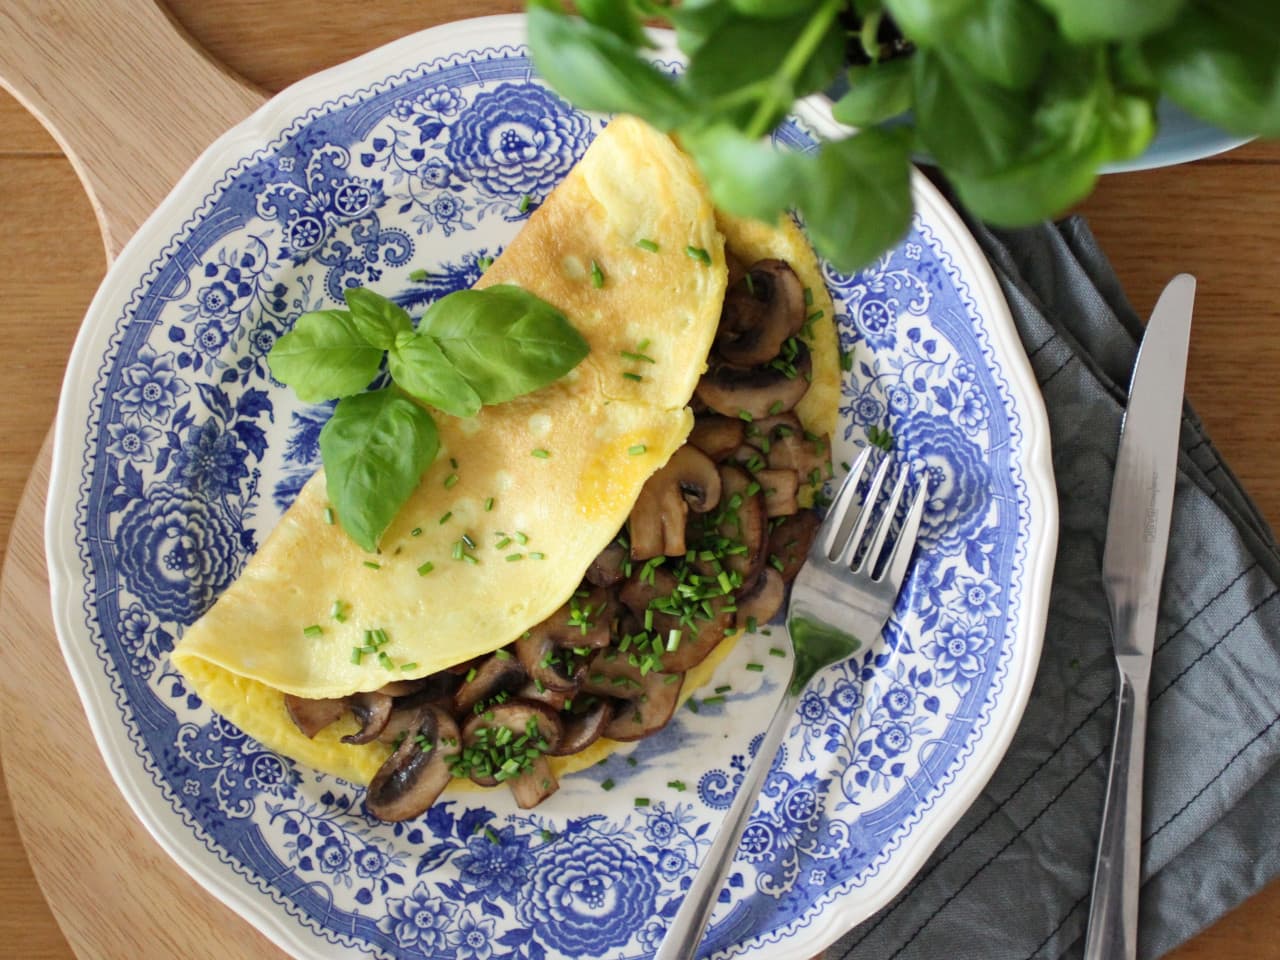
[(131, 99)]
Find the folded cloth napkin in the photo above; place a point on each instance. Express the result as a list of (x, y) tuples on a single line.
[(1011, 881)]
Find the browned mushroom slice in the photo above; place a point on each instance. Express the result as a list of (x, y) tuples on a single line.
[(642, 589), (760, 312), (742, 520), (801, 453), (747, 457), (757, 392), (789, 542), (312, 716), (779, 488), (649, 712), (499, 672), (489, 748), (534, 785), (583, 729), (540, 693), (612, 673), (761, 601), (717, 436), (694, 646), (547, 664), (402, 688), (411, 778), (372, 709), (763, 433), (607, 568), (688, 481)]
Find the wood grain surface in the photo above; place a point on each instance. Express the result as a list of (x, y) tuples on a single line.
[(112, 890)]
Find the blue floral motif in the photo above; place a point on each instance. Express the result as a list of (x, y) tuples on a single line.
[(976, 597), (475, 937), (959, 651), (211, 461), (497, 864), (421, 922), (177, 553), (517, 141), (958, 476), (133, 441), (333, 855), (151, 387), (588, 894)]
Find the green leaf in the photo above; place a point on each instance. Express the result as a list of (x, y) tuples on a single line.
[(775, 9), (969, 124), (855, 195), (375, 448), (697, 21), (928, 22), (1038, 188), (503, 340), (1221, 61), (419, 367), (751, 178), (616, 16), (1003, 41), (877, 92), (378, 319), (1087, 21), (598, 70), (324, 356)]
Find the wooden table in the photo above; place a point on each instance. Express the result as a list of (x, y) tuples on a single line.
[(1219, 219)]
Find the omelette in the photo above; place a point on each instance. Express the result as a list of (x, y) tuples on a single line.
[(630, 249)]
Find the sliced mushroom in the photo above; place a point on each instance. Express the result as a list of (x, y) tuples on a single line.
[(481, 731), (584, 728), (555, 699), (757, 392), (612, 673), (641, 590), (696, 646), (744, 523), (412, 778), (789, 542), (762, 434), (607, 568), (798, 452), (748, 457), (312, 716), (761, 601), (402, 688), (372, 709), (717, 436), (735, 266), (548, 664), (779, 488), (761, 311), (688, 481), (534, 785), (499, 672), (649, 712)]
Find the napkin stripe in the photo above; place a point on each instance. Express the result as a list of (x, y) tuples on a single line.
[(1086, 721)]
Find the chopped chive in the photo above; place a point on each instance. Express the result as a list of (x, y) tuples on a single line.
[(775, 652), (692, 704), (673, 639), (541, 454), (637, 357), (356, 654), (502, 654), (724, 688), (521, 538), (775, 408), (504, 542), (537, 556), (328, 515), (457, 550), (755, 667), (426, 568), (752, 624), (513, 557), (453, 463), (405, 667), (712, 701), (597, 275), (676, 785), (490, 835), (313, 631), (751, 284), (466, 538), (643, 344), (419, 276), (607, 784), (488, 504), (808, 297), (637, 449), (697, 253), (415, 532), (642, 801), (547, 835), (372, 565), (846, 361), (484, 263), (524, 204), (632, 761), (745, 415), (647, 245), (632, 376), (671, 678), (470, 558), (385, 661), (450, 480), (336, 611), (471, 674), (816, 315), (445, 518)]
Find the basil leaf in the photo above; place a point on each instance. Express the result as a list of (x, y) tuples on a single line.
[(378, 319), (598, 70), (1004, 41), (324, 356), (775, 9), (420, 368), (1085, 21), (616, 16), (877, 93), (969, 124), (1221, 61), (751, 178), (927, 22), (503, 340), (697, 21), (855, 195), (375, 449), (1030, 191)]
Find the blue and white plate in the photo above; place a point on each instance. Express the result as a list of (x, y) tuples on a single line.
[(176, 453)]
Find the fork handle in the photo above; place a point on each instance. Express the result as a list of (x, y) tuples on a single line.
[(1113, 911), (682, 939)]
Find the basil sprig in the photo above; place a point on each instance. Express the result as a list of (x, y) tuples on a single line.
[(471, 348), (1019, 102)]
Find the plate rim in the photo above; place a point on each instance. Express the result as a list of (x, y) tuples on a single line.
[(101, 700)]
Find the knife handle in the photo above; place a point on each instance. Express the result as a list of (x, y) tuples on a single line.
[(1113, 912)]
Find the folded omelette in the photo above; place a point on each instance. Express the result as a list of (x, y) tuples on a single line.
[(553, 474)]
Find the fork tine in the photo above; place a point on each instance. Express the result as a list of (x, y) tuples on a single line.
[(869, 558), (896, 568), (839, 519), (864, 515)]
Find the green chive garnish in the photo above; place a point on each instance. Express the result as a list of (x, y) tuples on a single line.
[(632, 376), (470, 558), (537, 556), (524, 204), (846, 361), (445, 519), (513, 557), (607, 784), (419, 276), (405, 667), (426, 568), (450, 480), (698, 254), (415, 532), (521, 538), (711, 701), (384, 661), (637, 357), (597, 275), (636, 450), (328, 515), (775, 652), (541, 454), (373, 566), (745, 415), (647, 245), (313, 631), (466, 538), (676, 784), (355, 655), (488, 504), (724, 688), (808, 297), (755, 667), (642, 801)]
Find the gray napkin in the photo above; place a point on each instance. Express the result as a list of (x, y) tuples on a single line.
[(1011, 881)]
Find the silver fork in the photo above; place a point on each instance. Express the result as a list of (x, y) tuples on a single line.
[(836, 606)]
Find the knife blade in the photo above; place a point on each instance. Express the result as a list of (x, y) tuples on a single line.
[(1132, 571)]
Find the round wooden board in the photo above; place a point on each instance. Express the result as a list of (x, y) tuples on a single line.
[(114, 892)]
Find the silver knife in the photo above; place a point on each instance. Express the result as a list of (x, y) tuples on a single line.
[(1132, 569)]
